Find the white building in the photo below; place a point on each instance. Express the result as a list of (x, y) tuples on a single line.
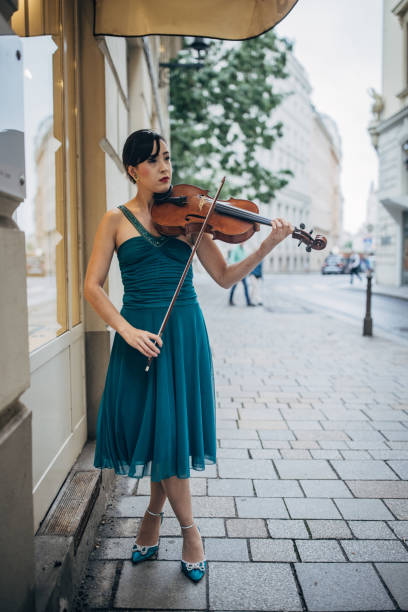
[(311, 149), (389, 134)]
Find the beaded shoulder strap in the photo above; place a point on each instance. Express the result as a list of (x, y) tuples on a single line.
[(155, 240)]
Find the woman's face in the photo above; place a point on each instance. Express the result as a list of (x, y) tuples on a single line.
[(155, 172)]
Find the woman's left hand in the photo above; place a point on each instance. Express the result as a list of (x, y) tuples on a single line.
[(280, 230)]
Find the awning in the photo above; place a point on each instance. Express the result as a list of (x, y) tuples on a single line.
[(227, 19)]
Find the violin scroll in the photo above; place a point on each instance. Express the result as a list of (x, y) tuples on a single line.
[(318, 243)]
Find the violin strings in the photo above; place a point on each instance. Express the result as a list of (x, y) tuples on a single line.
[(241, 213)]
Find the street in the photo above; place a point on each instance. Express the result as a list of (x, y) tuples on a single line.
[(335, 295), (306, 508)]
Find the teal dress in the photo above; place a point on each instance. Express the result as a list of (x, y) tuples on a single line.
[(159, 423)]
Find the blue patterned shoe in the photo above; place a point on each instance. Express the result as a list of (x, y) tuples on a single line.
[(141, 552), (195, 571)]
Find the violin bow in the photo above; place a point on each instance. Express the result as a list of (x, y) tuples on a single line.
[(183, 276)]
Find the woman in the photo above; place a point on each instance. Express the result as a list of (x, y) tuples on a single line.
[(162, 422)]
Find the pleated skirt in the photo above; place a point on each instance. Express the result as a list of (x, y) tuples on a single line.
[(159, 423)]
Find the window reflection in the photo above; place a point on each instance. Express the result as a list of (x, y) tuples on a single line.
[(38, 214)]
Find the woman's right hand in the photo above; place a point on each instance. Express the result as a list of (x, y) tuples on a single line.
[(143, 341)]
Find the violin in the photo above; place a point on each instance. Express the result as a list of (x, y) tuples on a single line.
[(183, 210)]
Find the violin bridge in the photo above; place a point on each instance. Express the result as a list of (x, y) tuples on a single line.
[(202, 201)]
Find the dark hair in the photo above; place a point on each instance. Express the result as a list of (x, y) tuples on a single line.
[(138, 147)]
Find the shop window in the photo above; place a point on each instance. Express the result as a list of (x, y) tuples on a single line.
[(42, 214)]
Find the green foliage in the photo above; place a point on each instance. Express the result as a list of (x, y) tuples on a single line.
[(221, 117)]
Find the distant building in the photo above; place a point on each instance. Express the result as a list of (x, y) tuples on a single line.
[(389, 135), (311, 148)]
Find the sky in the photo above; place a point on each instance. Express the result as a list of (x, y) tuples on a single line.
[(339, 43)]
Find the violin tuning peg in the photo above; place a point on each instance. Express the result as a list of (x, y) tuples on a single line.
[(300, 242), (311, 231), (308, 249), (302, 226)]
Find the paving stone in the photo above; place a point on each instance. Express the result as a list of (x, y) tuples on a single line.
[(251, 414), (375, 550), (264, 453), (319, 550), (389, 454), (252, 468), (183, 594), (304, 444), (333, 444), (114, 548), (399, 507), (395, 576), (397, 436), (367, 435), (273, 550), (275, 444), (325, 454), (302, 434), (236, 435), (225, 443), (220, 549), (371, 530), (400, 467), (232, 453), (366, 445), (363, 470), (96, 591), (170, 549), (246, 528), (304, 425), (342, 587), (378, 488), (354, 455), (309, 508), (260, 507), (276, 435), (230, 486), (273, 425), (329, 529), (277, 488), (325, 488), (236, 586), (400, 528), (295, 453), (287, 529), (363, 509), (293, 468)]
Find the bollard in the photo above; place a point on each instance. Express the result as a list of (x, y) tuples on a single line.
[(368, 322)]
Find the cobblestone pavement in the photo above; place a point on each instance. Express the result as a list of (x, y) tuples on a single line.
[(307, 506)]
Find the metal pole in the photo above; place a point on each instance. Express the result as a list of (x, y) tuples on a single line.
[(368, 322)]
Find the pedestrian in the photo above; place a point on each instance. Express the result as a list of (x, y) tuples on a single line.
[(237, 254), (256, 278), (354, 264), (161, 423)]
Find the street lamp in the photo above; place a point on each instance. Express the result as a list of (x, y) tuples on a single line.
[(199, 46)]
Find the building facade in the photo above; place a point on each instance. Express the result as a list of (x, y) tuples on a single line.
[(389, 135), (311, 149), (80, 95)]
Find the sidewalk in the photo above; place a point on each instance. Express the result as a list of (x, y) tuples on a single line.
[(387, 290), (307, 506)]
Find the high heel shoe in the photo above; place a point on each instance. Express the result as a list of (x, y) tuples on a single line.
[(195, 571), (141, 552)]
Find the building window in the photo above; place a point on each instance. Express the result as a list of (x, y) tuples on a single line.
[(42, 214)]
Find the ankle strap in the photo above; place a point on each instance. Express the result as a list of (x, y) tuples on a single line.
[(154, 513), (186, 526)]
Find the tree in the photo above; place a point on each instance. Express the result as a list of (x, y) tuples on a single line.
[(221, 116)]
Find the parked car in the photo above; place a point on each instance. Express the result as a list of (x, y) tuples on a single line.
[(333, 264)]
